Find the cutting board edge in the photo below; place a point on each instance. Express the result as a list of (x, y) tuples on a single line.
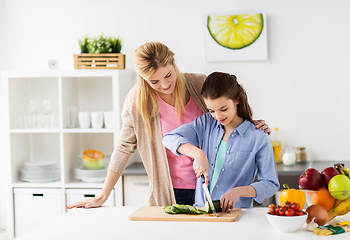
[(214, 219), (189, 218)]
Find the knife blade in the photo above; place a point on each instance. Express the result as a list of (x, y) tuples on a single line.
[(207, 195)]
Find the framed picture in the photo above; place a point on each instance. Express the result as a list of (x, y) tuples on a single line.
[(236, 37)]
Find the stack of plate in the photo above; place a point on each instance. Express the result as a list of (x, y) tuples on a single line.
[(90, 175), (40, 171)]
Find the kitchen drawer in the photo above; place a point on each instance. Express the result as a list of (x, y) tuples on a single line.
[(74, 195), (136, 190), (35, 207)]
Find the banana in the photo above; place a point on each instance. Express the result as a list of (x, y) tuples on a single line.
[(346, 172), (337, 166), (343, 170), (331, 213), (343, 208)]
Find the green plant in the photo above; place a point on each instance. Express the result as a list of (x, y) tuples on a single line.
[(116, 44), (84, 45), (100, 44)]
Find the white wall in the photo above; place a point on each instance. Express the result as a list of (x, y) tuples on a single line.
[(2, 170), (302, 88)]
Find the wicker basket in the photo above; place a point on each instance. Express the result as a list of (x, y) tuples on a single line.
[(99, 61)]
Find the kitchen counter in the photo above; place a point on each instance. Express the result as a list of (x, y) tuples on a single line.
[(296, 169), (112, 223)]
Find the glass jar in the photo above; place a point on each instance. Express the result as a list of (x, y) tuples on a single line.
[(289, 156), (301, 155)]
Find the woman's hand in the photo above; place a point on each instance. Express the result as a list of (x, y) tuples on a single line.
[(260, 124), (94, 202)]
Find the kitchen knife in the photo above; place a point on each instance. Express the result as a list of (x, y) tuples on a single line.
[(207, 195)]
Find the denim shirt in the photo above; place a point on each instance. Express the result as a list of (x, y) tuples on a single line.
[(249, 152)]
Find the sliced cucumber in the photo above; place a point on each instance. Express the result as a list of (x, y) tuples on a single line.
[(167, 209), (175, 208), (216, 204), (183, 209)]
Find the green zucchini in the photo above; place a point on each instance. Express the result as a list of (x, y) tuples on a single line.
[(183, 209), (216, 204)]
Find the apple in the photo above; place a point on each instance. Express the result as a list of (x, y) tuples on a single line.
[(311, 179), (327, 174), (339, 187)]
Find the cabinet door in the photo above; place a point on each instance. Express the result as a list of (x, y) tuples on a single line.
[(75, 195), (136, 190), (35, 207)]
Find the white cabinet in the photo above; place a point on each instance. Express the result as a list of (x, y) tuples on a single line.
[(41, 125), (34, 207), (136, 190), (75, 195)]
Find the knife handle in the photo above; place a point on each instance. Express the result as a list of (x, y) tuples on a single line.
[(203, 179)]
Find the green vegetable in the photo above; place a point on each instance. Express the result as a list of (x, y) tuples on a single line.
[(216, 204), (183, 209)]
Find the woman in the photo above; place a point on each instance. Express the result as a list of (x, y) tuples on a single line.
[(228, 145), (163, 99)]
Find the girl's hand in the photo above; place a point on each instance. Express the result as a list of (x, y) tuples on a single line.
[(260, 124), (89, 203), (229, 199), (201, 165)]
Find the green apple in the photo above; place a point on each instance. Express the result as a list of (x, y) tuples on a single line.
[(339, 187)]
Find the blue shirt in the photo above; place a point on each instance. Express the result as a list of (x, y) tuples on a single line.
[(249, 152)]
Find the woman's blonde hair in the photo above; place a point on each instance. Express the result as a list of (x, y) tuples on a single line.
[(148, 58)]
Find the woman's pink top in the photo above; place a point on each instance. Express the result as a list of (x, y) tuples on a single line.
[(181, 168)]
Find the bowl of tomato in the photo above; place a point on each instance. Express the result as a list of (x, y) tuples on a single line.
[(287, 218)]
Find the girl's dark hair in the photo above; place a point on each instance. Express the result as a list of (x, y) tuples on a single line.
[(219, 84)]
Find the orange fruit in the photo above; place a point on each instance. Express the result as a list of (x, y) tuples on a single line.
[(323, 198)]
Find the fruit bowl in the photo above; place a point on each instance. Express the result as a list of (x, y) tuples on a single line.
[(286, 223), (324, 197)]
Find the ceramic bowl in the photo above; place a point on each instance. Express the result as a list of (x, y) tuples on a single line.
[(93, 159), (286, 223)]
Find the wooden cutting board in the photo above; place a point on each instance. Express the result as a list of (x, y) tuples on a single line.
[(158, 214)]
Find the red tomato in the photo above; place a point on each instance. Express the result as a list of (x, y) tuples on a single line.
[(295, 206), (299, 213), (282, 211), (272, 209), (289, 212)]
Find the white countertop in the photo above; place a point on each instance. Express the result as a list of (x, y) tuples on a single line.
[(112, 223)]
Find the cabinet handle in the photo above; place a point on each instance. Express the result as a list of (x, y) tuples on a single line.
[(38, 194), (89, 195)]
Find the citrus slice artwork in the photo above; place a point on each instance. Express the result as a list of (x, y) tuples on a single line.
[(235, 31), (236, 37)]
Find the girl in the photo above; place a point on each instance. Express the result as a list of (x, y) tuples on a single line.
[(163, 99), (228, 146)]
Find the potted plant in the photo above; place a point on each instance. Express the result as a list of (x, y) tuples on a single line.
[(100, 53)]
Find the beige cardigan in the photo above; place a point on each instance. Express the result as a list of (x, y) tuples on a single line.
[(134, 134)]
